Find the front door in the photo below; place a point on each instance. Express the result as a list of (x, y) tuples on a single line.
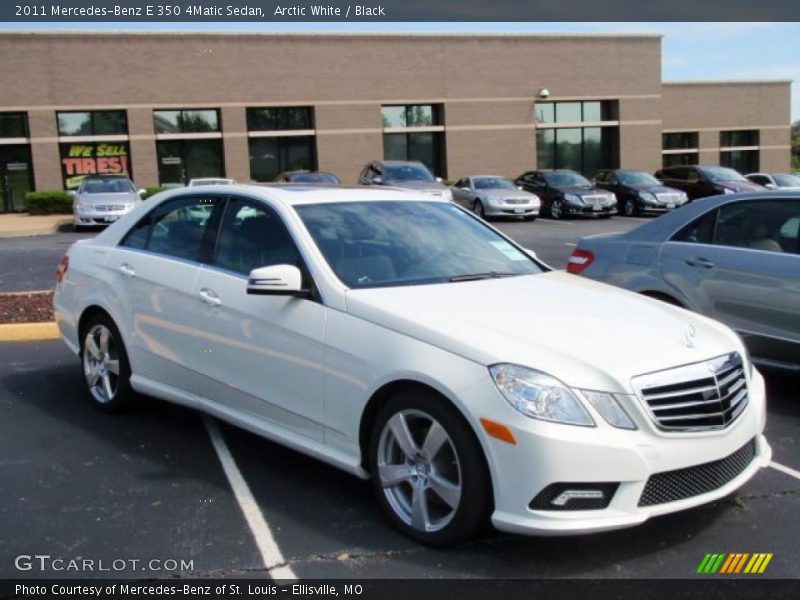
[(262, 355), (16, 178)]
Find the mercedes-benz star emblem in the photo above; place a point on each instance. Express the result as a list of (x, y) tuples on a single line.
[(689, 336)]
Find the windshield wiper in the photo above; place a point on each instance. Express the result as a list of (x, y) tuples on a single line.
[(478, 276)]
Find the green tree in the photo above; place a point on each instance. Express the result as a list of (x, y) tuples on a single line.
[(796, 146)]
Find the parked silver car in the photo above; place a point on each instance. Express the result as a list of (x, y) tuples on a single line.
[(102, 199), (776, 181), (495, 196), (734, 258)]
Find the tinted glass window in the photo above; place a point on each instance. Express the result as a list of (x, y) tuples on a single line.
[(186, 121), (137, 236), (279, 118), (102, 122), (699, 231), (270, 156), (760, 225), (738, 138), (183, 228), (680, 140), (182, 160), (13, 125), (107, 185), (411, 115), (75, 123), (545, 112), (376, 244), (394, 116), (744, 161), (787, 180), (253, 236)]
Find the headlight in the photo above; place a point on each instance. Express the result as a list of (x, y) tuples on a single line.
[(538, 395), (612, 199), (572, 198), (609, 409), (685, 197), (83, 207), (648, 197), (746, 356)]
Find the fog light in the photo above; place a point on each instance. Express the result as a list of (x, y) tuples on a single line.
[(574, 496)]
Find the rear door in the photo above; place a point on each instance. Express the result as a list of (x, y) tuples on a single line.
[(153, 270), (740, 264)]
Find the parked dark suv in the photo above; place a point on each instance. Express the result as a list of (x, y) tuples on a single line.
[(699, 181), (566, 193), (638, 192)]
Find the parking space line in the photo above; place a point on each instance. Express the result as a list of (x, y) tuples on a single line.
[(270, 553), (786, 470), (570, 244)]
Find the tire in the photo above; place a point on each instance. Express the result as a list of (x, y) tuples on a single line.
[(557, 209), (477, 208), (457, 469), (105, 365), (629, 208)]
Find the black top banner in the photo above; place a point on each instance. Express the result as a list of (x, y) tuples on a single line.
[(276, 11)]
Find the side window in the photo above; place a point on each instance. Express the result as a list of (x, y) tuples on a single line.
[(699, 231), (760, 179), (692, 176), (185, 227), (136, 238), (461, 183), (759, 225), (252, 236)]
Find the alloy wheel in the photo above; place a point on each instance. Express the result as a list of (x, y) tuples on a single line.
[(556, 210), (478, 209), (101, 366), (629, 208), (419, 470)]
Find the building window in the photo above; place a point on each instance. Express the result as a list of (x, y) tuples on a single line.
[(744, 161), (683, 140), (738, 139), (280, 139), (92, 123), (279, 118), (587, 111), (13, 125), (188, 145), (679, 148), (186, 121), (415, 132), (16, 173), (583, 149)]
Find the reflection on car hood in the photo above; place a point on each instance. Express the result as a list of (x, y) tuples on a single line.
[(740, 186), (428, 186), (580, 190), (654, 188), (588, 334), (121, 198), (500, 194)]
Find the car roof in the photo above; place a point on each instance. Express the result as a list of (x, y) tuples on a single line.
[(298, 194)]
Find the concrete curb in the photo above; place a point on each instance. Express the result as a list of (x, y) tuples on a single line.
[(49, 229), (29, 332)]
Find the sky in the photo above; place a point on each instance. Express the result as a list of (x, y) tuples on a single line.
[(690, 51)]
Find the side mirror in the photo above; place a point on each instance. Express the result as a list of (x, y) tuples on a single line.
[(142, 192), (72, 193), (377, 180), (277, 280), (439, 179), (519, 187)]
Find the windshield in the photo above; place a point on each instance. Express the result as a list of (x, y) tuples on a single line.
[(391, 243), (784, 180), (565, 178), (493, 183), (637, 178), (315, 178), (722, 174), (408, 172), (115, 185)]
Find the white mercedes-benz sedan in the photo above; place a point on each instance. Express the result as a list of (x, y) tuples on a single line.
[(400, 338)]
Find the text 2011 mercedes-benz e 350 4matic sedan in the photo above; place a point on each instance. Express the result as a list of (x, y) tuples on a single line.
[(398, 337)]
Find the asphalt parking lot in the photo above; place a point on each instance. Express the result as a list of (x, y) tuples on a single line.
[(151, 485)]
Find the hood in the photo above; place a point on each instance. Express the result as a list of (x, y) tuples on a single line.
[(654, 188), (580, 190), (499, 194), (119, 198), (587, 334), (428, 186), (740, 186)]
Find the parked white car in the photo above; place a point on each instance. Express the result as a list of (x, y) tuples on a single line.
[(401, 338), (495, 196)]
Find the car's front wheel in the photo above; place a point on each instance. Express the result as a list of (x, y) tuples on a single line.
[(629, 208), (106, 369), (428, 469), (477, 208), (557, 209)]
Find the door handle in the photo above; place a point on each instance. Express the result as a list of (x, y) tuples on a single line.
[(210, 298), (127, 270), (699, 261)]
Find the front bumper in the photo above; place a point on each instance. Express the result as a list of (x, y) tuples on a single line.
[(590, 209), (511, 210), (548, 453), (96, 218)]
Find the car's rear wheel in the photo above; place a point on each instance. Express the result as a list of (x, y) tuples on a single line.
[(557, 209), (428, 469), (106, 369)]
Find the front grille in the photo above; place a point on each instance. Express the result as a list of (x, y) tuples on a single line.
[(669, 198), (515, 200), (671, 486), (596, 199), (109, 207), (700, 396)]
